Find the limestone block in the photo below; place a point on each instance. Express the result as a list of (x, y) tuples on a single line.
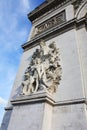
[(69, 117), (33, 112)]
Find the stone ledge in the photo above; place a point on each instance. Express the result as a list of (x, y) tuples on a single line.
[(9, 108), (57, 30), (43, 97), (38, 97), (71, 102), (46, 7)]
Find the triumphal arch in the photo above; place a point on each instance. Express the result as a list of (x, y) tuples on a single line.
[(50, 90)]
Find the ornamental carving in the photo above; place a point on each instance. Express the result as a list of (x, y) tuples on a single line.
[(77, 4), (44, 70), (56, 20)]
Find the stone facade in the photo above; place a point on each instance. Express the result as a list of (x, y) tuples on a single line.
[(39, 108)]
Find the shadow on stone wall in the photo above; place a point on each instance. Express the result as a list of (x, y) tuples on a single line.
[(6, 120)]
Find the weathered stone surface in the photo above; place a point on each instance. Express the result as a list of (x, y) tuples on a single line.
[(68, 111), (35, 114), (69, 117)]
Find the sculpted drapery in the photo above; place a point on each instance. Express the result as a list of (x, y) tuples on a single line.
[(44, 70)]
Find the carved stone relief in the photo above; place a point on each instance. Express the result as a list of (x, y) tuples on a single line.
[(44, 70), (56, 20), (77, 4)]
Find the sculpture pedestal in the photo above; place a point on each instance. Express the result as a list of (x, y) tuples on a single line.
[(33, 112)]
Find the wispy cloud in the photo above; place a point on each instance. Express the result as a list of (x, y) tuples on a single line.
[(25, 5), (13, 30), (2, 101)]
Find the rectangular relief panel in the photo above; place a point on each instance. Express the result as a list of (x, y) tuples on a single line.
[(53, 21)]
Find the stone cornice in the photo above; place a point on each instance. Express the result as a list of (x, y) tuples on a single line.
[(9, 108), (46, 7), (55, 31), (71, 102), (45, 98), (39, 97)]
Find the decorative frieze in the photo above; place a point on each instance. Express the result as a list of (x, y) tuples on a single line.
[(46, 8), (53, 21), (44, 70)]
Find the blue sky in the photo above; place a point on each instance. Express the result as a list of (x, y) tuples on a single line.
[(14, 31)]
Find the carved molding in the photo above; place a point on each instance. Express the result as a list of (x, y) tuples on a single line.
[(49, 0), (39, 97), (44, 70), (56, 20), (77, 4), (46, 8)]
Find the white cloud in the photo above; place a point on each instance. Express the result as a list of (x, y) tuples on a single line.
[(2, 101), (24, 6)]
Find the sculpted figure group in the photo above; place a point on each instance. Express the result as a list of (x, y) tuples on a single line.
[(44, 71)]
